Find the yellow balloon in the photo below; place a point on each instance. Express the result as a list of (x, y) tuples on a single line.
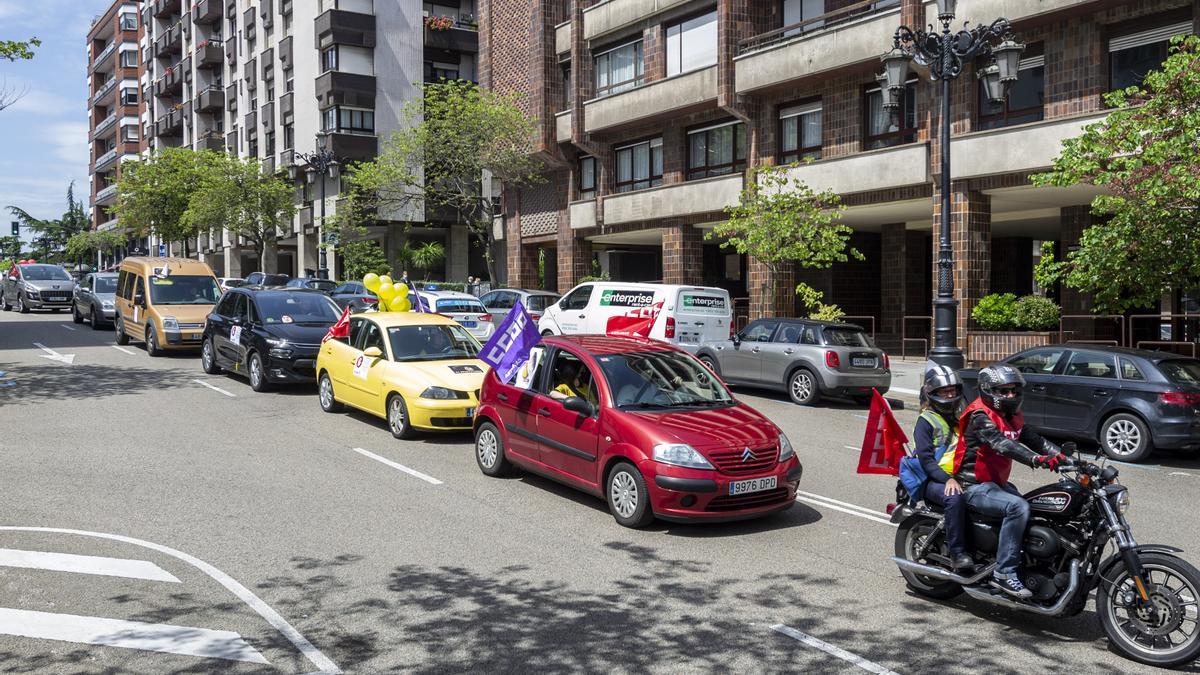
[(371, 281), (401, 289), (400, 303), (385, 279), (386, 292)]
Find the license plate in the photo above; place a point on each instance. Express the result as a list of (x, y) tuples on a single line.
[(741, 487), (468, 324), (470, 412), (862, 363)]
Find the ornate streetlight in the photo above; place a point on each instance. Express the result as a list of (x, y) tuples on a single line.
[(944, 54), (318, 164)]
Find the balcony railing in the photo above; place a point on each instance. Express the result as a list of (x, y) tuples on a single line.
[(107, 193), (104, 90), (207, 11), (210, 53), (819, 22), (103, 55), (105, 125), (106, 159)]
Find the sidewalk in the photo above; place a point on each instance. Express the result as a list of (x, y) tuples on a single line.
[(907, 376)]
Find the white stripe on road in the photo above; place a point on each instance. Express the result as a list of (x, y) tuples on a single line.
[(122, 349), (844, 507), (85, 564), (68, 327), (412, 472), (902, 390), (869, 666), (153, 637), (219, 390)]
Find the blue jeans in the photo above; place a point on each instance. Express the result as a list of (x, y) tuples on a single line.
[(954, 513), (1003, 502)]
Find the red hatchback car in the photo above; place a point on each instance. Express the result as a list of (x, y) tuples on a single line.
[(640, 423)]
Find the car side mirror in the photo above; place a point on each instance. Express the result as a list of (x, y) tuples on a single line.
[(579, 405), (737, 339), (372, 353)]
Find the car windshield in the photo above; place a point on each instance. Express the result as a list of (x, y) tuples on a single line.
[(106, 284), (234, 283), (44, 273), (321, 285), (1181, 372), (846, 337), (181, 289), (661, 379), (432, 343), (460, 306), (539, 303), (300, 308)]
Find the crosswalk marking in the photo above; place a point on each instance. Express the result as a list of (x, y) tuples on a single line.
[(155, 637), (85, 564)]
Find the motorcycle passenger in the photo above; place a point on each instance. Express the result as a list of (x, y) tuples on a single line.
[(935, 437), (992, 435)]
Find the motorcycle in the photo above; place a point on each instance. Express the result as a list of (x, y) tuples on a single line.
[(1146, 595)]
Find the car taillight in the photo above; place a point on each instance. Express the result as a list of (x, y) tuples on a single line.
[(485, 317), (535, 317), (1179, 398), (368, 299), (670, 331), (887, 364), (730, 330), (832, 360)]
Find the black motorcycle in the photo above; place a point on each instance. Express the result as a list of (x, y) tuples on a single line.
[(1146, 595)]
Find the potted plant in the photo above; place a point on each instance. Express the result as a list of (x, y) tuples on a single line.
[(1010, 324)]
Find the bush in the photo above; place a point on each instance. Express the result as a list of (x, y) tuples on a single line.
[(996, 312), (1033, 312)]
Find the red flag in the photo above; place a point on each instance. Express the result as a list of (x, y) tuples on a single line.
[(635, 323), (341, 329), (883, 442)]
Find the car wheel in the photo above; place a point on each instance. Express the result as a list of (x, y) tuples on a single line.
[(803, 387), (547, 333), (489, 451), (21, 304), (152, 347), (75, 315), (208, 358), (628, 497), (4, 302), (122, 337), (258, 374), (97, 324), (710, 363), (1126, 438), (397, 417), (325, 395)]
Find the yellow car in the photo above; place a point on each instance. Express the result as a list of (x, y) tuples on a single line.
[(417, 371)]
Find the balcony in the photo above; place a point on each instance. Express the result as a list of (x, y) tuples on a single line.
[(562, 127), (211, 141), (268, 116), (696, 197), (305, 219), (210, 54), (614, 15), (170, 42), (287, 158), (582, 214), (285, 53), (231, 98), (672, 97), (166, 8), (211, 100), (231, 50), (169, 125), (268, 65), (822, 44), (171, 83), (106, 195), (105, 160), (104, 55), (562, 37), (107, 124), (268, 165), (248, 20), (286, 110), (105, 89), (1024, 147), (895, 167), (340, 27), (337, 88), (268, 13), (1013, 10), (459, 37), (353, 146), (207, 11), (107, 225), (251, 74), (251, 123)]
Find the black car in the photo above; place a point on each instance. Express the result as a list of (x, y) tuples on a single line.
[(264, 279), (354, 295), (1129, 401), (324, 285), (271, 335)]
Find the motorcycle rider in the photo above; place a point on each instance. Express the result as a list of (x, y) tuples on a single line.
[(935, 438), (991, 435)]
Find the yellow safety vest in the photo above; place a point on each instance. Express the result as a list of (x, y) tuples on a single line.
[(945, 440)]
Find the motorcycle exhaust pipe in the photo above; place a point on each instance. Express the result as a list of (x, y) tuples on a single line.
[(941, 574), (998, 598)]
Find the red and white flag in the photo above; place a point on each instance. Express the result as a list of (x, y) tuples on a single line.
[(634, 323), (341, 329), (883, 442)]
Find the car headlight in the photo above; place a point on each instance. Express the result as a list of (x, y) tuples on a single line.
[(170, 323), (440, 393), (1122, 501), (106, 304), (680, 454), (30, 289), (785, 448)]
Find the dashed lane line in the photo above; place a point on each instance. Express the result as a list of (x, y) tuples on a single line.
[(67, 327), (399, 467), (832, 650), (217, 389), (902, 390), (122, 349), (85, 564)]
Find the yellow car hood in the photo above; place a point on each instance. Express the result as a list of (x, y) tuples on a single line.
[(460, 374)]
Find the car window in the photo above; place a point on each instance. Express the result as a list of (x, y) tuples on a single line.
[(86, 283), (661, 379), (788, 333), (845, 337), (183, 289), (369, 335), (1129, 370), (759, 331), (103, 284), (539, 303), (809, 337), (44, 273), (1039, 362), (141, 289), (295, 283), (1091, 364), (225, 305), (459, 306), (321, 285), (578, 299), (356, 326), (297, 307), (432, 343), (569, 376), (239, 310), (1181, 371)]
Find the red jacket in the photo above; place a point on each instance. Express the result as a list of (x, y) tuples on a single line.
[(989, 465)]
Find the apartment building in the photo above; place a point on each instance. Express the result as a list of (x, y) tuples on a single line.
[(113, 105), (273, 79), (653, 110)]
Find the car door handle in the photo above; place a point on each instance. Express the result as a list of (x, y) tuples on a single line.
[(789, 350), (544, 412), (502, 397), (583, 316), (755, 350), (1099, 392), (1038, 387)]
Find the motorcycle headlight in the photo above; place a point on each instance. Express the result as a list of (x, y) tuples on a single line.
[(439, 393), (785, 448), (170, 323), (680, 454), (1122, 501)]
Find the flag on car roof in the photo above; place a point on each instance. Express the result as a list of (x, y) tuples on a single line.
[(634, 323), (421, 304), (509, 347), (883, 442), (341, 329)]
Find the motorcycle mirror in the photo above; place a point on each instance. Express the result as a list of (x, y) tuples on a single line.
[(1069, 448)]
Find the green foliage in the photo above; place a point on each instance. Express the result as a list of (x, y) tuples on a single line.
[(1048, 270), (996, 311), (813, 299), (361, 256), (154, 194), (14, 50), (10, 247), (780, 219), (83, 245), (50, 243), (1144, 156), (236, 194), (1034, 312), (427, 256)]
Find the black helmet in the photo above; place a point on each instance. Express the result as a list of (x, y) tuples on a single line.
[(992, 379), (940, 377)]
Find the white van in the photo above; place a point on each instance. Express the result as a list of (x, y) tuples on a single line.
[(690, 314)]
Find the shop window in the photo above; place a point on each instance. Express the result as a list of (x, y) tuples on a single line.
[(619, 69), (716, 150), (692, 44), (1131, 56), (885, 129), (1026, 96), (639, 165), (799, 132)]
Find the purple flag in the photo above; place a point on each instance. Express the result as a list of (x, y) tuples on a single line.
[(508, 348)]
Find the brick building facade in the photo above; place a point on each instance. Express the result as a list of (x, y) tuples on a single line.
[(114, 69)]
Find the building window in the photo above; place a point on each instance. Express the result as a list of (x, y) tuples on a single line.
[(587, 177), (129, 58), (329, 59), (692, 44), (1026, 97), (716, 150), (797, 11), (799, 132), (348, 120), (252, 146), (129, 134), (129, 22), (289, 137), (885, 129), (1130, 57), (129, 96), (439, 72), (269, 143), (568, 98), (639, 165), (619, 69)]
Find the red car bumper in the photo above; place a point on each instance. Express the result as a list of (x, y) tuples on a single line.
[(681, 494)]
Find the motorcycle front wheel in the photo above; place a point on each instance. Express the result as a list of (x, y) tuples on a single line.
[(910, 537), (1167, 638)]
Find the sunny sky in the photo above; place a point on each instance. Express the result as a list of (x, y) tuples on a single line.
[(43, 137)]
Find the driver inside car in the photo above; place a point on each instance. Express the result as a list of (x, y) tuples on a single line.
[(569, 381)]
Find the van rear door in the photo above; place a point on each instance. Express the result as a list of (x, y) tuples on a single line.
[(702, 314)]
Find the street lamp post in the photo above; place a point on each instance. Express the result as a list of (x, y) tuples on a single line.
[(944, 53), (321, 163)]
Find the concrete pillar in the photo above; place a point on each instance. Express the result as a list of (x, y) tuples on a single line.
[(574, 260), (270, 256), (233, 261), (458, 251), (893, 281), (1074, 220), (393, 244), (306, 254), (521, 259), (682, 255), (761, 304)]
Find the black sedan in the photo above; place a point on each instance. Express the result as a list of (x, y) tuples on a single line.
[(271, 335), (324, 285), (1129, 401)]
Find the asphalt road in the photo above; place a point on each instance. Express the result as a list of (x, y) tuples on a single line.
[(189, 529)]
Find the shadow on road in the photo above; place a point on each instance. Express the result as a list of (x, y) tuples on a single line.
[(55, 382)]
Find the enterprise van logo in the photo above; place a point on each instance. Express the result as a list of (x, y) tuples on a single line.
[(706, 301), (613, 298)]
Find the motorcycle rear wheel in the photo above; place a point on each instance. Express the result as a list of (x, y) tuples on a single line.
[(909, 538), (1168, 640)]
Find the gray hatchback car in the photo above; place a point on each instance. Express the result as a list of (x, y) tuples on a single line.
[(34, 286), (94, 298), (808, 359)]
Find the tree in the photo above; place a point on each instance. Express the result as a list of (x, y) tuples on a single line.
[(236, 194), (10, 248), (1144, 156), (153, 194), (456, 134), (51, 236), (427, 256), (84, 245), (14, 50), (361, 256), (780, 219)]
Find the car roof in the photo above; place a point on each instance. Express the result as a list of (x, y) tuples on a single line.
[(608, 344), (446, 294), (528, 292), (1149, 354), (813, 322), (255, 289), (391, 319)]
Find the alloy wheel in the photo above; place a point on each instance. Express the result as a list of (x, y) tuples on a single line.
[(256, 374), (487, 448), (396, 417), (801, 386), (624, 493), (1123, 437), (325, 392)]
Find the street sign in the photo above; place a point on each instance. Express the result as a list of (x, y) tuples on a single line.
[(162, 250)]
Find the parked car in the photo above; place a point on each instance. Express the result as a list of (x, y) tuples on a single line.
[(645, 426), (227, 283), (354, 295), (462, 307), (163, 302), (690, 315), (37, 286), (95, 299), (323, 285), (270, 335), (808, 359), (499, 302), (264, 279), (418, 371), (1129, 401)]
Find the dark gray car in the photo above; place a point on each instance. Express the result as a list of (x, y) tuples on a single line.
[(500, 301), (30, 287), (806, 358), (94, 298)]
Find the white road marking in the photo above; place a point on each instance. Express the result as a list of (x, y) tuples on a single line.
[(67, 327), (805, 638), (264, 610), (902, 390), (53, 355), (1100, 458), (861, 416), (219, 390), (852, 447), (154, 637), (85, 564), (1181, 473), (844, 507), (122, 349), (412, 472)]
